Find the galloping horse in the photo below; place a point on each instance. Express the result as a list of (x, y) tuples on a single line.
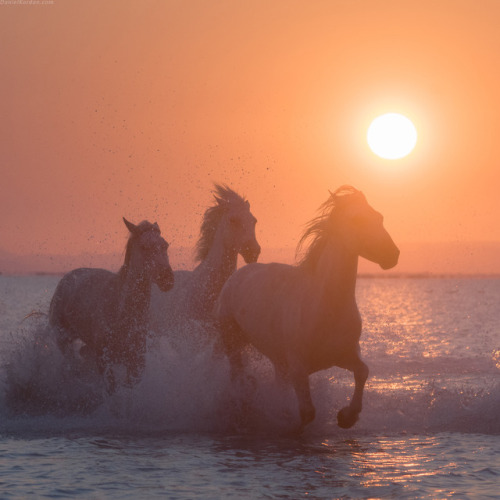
[(304, 318), (228, 229), (109, 312)]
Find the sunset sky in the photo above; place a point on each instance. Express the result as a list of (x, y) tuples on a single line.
[(136, 107)]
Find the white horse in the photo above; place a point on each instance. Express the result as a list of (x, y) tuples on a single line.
[(109, 312), (304, 318), (228, 229)]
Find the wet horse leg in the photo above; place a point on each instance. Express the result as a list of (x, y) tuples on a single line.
[(233, 342), (349, 415), (300, 381), (135, 365), (63, 339), (63, 336), (281, 375)]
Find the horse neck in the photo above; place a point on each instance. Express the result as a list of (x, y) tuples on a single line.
[(336, 272), (135, 287), (211, 274)]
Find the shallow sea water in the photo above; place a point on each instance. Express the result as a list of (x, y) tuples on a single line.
[(201, 466), (430, 426)]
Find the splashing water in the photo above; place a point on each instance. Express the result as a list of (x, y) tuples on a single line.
[(433, 365), (183, 389)]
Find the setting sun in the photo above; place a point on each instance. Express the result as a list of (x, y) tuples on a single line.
[(392, 136)]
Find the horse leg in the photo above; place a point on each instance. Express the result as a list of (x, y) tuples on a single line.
[(135, 364), (300, 381), (349, 415), (281, 375), (233, 343), (63, 340), (62, 336)]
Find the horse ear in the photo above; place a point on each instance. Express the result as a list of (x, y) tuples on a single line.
[(131, 227)]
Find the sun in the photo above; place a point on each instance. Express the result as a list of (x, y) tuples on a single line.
[(392, 136)]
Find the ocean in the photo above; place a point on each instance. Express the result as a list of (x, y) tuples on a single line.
[(430, 426)]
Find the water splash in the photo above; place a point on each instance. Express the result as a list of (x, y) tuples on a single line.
[(187, 388)]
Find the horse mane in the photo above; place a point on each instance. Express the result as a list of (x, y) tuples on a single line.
[(142, 227), (319, 229), (225, 198)]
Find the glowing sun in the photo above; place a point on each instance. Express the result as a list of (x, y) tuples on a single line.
[(392, 136)]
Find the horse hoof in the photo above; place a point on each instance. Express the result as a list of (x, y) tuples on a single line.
[(346, 417)]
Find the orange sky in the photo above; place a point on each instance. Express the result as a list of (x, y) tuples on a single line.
[(134, 108)]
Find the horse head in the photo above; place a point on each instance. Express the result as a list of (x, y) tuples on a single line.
[(147, 238), (233, 223), (362, 228), (239, 231)]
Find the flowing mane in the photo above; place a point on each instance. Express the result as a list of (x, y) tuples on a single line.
[(319, 228), (225, 198)]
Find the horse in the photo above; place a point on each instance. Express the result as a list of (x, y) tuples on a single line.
[(109, 312), (227, 230), (304, 317)]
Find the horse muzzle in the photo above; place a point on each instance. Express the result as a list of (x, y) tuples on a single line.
[(389, 261), (250, 253), (165, 280)]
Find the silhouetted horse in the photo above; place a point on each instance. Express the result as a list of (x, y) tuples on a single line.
[(109, 312), (228, 229), (304, 318)]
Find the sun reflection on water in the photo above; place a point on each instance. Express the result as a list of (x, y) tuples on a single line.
[(496, 358), (391, 462), (424, 320), (397, 465)]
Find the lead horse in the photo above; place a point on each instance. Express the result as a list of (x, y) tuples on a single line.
[(304, 318), (109, 312), (227, 230)]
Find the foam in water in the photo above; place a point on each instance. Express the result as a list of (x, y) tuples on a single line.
[(188, 388), (183, 389)]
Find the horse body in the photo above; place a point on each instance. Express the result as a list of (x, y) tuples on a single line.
[(228, 230), (108, 311), (304, 318), (286, 301)]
